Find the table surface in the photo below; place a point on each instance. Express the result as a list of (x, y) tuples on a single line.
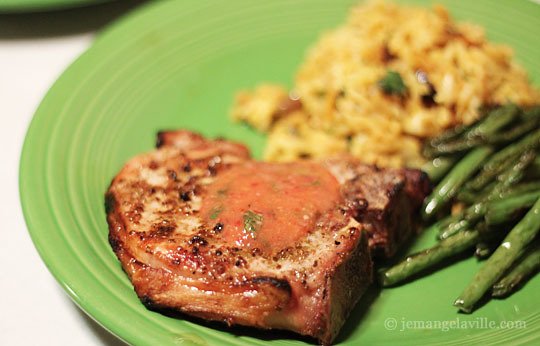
[(34, 50)]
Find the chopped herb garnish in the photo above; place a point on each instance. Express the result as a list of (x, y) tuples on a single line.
[(222, 192), (393, 84), (252, 222), (316, 183), (216, 212)]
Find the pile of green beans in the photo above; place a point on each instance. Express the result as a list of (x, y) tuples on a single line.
[(490, 170)]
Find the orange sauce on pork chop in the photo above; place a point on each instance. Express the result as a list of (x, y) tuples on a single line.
[(269, 205)]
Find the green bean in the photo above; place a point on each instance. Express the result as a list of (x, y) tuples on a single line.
[(451, 219), (483, 250), (448, 221), (470, 196), (532, 113), (505, 255), (455, 147), (468, 218), (438, 167), (514, 133), (517, 190), (463, 220), (531, 141), (528, 265), (475, 212), (495, 121), (428, 258), (448, 187), (444, 224), (454, 228), (513, 174), (482, 179), (505, 210), (480, 134), (466, 195), (453, 133), (513, 163)]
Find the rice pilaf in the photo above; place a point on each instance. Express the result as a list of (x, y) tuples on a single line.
[(448, 68)]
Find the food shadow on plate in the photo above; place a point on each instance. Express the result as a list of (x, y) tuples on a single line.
[(358, 314), (238, 330), (63, 22)]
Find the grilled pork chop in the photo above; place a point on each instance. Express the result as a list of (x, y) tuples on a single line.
[(201, 228)]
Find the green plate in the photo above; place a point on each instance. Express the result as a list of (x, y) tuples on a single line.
[(177, 64)]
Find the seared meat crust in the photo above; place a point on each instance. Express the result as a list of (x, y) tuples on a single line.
[(177, 261), (385, 200)]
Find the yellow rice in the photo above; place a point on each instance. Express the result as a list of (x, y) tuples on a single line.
[(344, 110)]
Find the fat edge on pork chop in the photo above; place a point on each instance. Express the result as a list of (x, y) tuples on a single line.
[(201, 228)]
